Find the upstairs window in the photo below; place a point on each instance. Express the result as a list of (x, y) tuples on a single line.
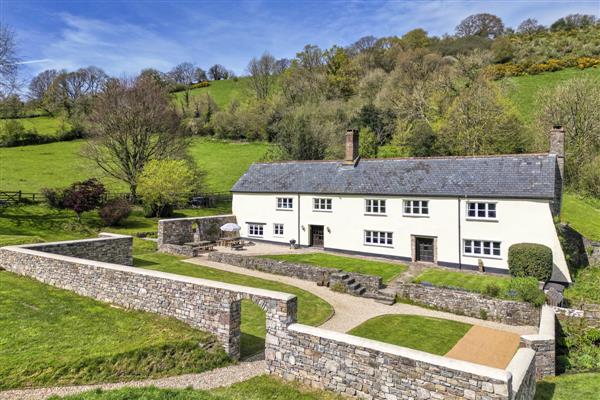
[(375, 206), (379, 238), (285, 203), (478, 210), (321, 204), (416, 207), (255, 230), (482, 248), (278, 229)]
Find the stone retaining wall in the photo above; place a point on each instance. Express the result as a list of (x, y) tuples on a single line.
[(522, 369), (590, 312), (544, 344), (208, 305), (109, 247), (301, 271), (469, 303), (374, 370), (184, 230)]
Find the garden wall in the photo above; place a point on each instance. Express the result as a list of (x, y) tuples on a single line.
[(589, 312), (208, 305), (109, 247), (178, 231), (301, 271), (374, 370), (469, 303), (544, 344)]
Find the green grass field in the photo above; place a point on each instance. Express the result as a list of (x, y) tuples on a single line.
[(260, 388), (222, 92), (432, 335), (30, 168), (583, 214), (585, 288), (312, 310), (47, 126), (387, 271), (569, 387), (55, 337), (524, 90), (468, 281)]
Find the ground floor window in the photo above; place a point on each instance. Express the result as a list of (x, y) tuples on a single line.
[(255, 229), (278, 229), (482, 247), (379, 238)]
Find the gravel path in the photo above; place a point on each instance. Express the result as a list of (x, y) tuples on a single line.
[(207, 380), (351, 311)]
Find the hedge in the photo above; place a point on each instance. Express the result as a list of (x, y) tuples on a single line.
[(530, 260)]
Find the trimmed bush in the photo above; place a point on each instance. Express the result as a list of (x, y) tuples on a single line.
[(530, 260), (527, 289), (115, 211)]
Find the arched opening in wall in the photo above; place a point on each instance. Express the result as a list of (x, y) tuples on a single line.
[(195, 232), (254, 330)]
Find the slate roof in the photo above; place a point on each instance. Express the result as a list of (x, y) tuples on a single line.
[(507, 176)]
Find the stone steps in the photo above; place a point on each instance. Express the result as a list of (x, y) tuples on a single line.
[(353, 287)]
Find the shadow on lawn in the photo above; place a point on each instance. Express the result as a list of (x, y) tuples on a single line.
[(544, 391)]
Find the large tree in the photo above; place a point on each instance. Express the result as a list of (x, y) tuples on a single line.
[(484, 25), (40, 86), (262, 71), (131, 123), (218, 72), (183, 73), (8, 60)]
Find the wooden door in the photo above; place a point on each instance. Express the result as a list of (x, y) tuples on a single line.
[(317, 236), (424, 249)]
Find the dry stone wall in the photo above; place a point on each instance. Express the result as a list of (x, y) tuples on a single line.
[(208, 305), (471, 304), (185, 230), (544, 344)]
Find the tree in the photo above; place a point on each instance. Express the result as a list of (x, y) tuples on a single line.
[(421, 140), (484, 25), (156, 75), (200, 75), (574, 21), (131, 123), (341, 74), (70, 91), (281, 65), (573, 105), (217, 72), (530, 26), (262, 71), (8, 60), (365, 43), (503, 50), (417, 38), (84, 196), (40, 85), (183, 73), (164, 184)]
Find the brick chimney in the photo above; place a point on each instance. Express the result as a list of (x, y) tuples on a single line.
[(557, 146), (351, 146)]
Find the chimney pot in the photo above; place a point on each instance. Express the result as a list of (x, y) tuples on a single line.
[(351, 146)]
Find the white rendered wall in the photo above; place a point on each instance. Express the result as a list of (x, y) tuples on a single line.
[(517, 221)]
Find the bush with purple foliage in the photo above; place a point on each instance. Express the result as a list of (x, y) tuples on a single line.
[(84, 196)]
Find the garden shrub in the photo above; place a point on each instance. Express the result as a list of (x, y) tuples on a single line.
[(54, 197), (115, 211), (492, 289), (530, 259), (200, 85), (578, 348), (84, 196), (527, 289)]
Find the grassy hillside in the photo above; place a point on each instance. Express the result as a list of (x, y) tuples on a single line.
[(223, 92), (47, 126), (30, 168), (524, 90)]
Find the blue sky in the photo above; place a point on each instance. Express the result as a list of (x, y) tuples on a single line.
[(122, 37)]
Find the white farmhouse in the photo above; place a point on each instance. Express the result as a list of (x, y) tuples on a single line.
[(455, 212)]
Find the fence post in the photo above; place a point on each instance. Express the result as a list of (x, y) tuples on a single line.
[(19, 197)]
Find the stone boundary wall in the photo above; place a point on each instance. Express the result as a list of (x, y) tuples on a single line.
[(544, 344), (374, 370), (522, 369), (178, 231), (109, 247), (208, 305), (590, 312), (469, 303), (301, 271)]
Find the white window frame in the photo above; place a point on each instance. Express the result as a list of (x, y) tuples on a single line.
[(488, 208), (256, 229), (285, 203), (477, 248), (275, 229), (375, 204), (378, 238), (322, 204), (421, 205)]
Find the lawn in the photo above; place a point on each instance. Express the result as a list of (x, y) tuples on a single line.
[(432, 335), (259, 388), (312, 310), (55, 337), (30, 168), (468, 281), (583, 214), (386, 270), (569, 387), (524, 90)]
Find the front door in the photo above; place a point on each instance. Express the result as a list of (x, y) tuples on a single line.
[(424, 249), (316, 235)]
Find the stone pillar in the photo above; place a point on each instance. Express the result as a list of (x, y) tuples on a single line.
[(352, 145), (544, 344)]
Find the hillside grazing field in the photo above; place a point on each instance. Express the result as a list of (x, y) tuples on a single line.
[(223, 92), (30, 168), (46, 126)]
